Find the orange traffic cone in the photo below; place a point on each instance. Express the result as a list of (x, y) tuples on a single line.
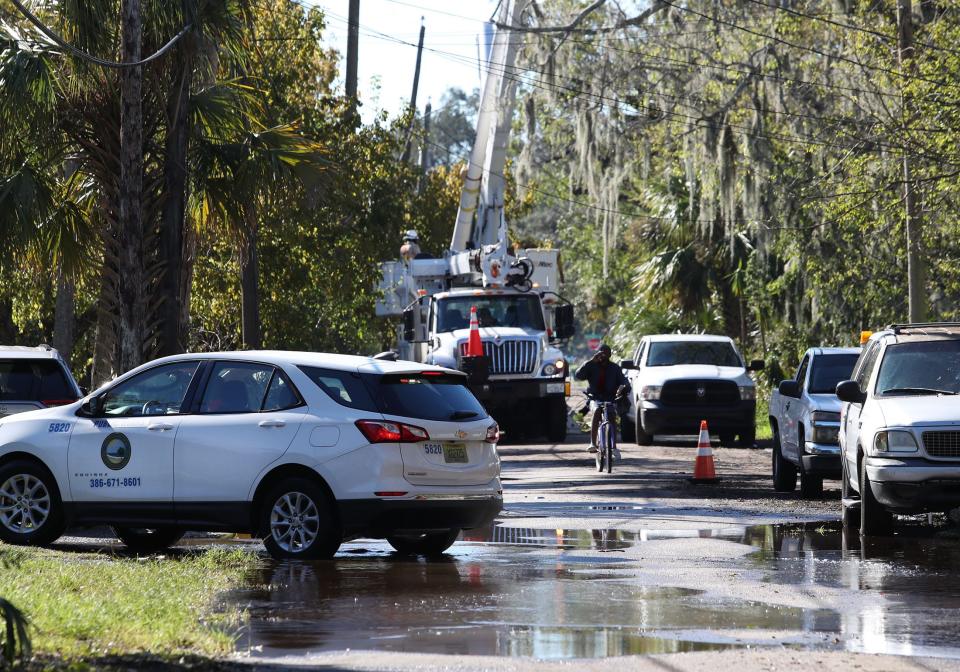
[(703, 470), (474, 346)]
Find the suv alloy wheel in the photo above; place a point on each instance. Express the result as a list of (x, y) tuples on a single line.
[(298, 522), (31, 513)]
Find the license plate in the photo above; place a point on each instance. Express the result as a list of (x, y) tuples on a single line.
[(555, 388), (455, 453)]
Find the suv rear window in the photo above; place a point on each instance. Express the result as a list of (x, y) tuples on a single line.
[(34, 380), (672, 353), (426, 396)]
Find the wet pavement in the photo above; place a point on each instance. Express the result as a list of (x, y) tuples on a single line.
[(556, 593)]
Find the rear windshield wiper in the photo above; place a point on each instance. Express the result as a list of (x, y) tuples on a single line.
[(463, 415), (917, 390)]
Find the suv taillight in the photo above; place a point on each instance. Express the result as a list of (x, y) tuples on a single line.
[(382, 431), (493, 433)]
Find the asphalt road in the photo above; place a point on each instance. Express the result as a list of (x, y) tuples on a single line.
[(638, 569)]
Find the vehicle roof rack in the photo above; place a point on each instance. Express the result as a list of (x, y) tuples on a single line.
[(922, 326)]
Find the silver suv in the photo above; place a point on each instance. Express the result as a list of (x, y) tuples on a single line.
[(32, 378)]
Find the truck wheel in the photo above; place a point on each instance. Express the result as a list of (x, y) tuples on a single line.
[(145, 541), (428, 543), (298, 521), (784, 472), (642, 438), (31, 513), (557, 420), (847, 513), (811, 487), (875, 520)]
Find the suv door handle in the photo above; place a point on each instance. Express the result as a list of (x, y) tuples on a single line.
[(159, 426), (273, 423)]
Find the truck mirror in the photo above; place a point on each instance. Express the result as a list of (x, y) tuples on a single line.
[(849, 390), (563, 321), (627, 364), (789, 388), (409, 324), (756, 365)]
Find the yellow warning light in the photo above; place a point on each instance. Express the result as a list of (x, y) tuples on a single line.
[(566, 388), (865, 336)]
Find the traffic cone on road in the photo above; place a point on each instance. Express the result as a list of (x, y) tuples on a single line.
[(703, 470), (474, 346)]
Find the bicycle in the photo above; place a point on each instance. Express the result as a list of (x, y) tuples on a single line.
[(606, 435)]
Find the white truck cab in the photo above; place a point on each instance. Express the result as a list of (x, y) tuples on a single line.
[(900, 426), (678, 380)]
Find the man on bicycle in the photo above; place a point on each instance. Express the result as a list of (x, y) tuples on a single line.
[(605, 382)]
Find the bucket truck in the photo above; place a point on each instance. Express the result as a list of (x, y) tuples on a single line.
[(522, 377)]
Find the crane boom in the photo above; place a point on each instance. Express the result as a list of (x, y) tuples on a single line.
[(481, 198)]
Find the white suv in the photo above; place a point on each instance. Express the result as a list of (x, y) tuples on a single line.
[(678, 380), (32, 378), (900, 426), (303, 449)]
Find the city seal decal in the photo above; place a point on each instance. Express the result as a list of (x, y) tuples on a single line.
[(115, 451)]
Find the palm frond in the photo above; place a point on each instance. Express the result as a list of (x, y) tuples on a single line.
[(15, 646)]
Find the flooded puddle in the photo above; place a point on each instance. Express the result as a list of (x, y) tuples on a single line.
[(529, 592)]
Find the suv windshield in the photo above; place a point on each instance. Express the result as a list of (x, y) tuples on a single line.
[(921, 367), (492, 311), (672, 353), (828, 370), (34, 380)]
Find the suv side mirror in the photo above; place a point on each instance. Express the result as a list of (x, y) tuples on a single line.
[(789, 388), (563, 326), (849, 390), (627, 364), (94, 407), (756, 365), (409, 324)]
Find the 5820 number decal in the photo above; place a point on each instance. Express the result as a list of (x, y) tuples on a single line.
[(131, 482)]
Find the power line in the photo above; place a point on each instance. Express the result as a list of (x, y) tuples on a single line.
[(43, 28)]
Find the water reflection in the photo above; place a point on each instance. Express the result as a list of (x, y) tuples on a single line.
[(529, 592)]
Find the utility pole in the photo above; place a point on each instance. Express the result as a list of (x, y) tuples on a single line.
[(916, 265), (413, 94), (353, 47), (131, 284), (425, 147)]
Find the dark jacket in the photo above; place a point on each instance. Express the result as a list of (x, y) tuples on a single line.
[(590, 372)]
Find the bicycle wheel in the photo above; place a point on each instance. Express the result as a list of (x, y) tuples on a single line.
[(601, 440)]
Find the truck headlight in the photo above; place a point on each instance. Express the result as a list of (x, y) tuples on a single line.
[(748, 392), (650, 392), (553, 368), (894, 441), (826, 427)]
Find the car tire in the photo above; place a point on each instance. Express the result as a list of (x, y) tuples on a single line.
[(784, 471), (811, 487), (29, 491), (875, 521), (642, 437), (557, 420), (428, 544), (849, 515), (748, 437), (298, 521), (145, 541)]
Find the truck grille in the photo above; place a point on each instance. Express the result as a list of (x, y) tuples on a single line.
[(508, 356), (699, 393), (942, 444)]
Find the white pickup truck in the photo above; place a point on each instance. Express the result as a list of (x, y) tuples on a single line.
[(805, 420)]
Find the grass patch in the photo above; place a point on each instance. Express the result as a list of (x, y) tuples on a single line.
[(764, 433), (83, 605)]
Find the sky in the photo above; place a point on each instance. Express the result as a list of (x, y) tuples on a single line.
[(386, 66)]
